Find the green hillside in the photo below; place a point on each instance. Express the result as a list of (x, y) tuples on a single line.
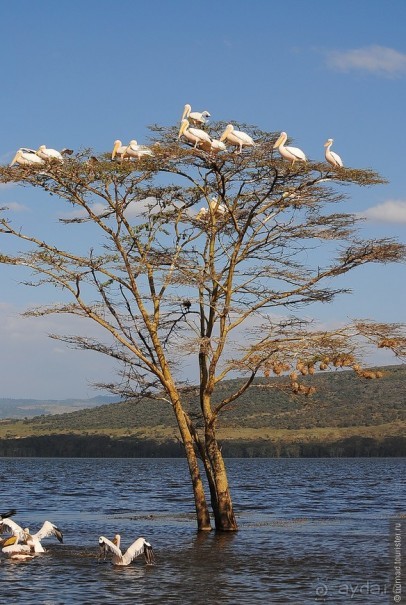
[(265, 421)]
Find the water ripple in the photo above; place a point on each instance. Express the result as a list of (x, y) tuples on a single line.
[(305, 526)]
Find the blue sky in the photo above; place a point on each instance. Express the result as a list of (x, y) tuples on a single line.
[(82, 74)]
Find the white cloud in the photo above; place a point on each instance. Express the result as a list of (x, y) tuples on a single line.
[(391, 211), (378, 60), (97, 208), (134, 209), (138, 207)]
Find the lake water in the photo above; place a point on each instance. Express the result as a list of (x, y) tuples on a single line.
[(311, 531)]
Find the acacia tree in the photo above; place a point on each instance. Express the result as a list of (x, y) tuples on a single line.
[(204, 256)]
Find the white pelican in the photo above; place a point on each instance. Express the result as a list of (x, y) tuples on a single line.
[(137, 151), (13, 550), (26, 157), (49, 154), (194, 135), (139, 547), (236, 137), (119, 149), (195, 117), (332, 157), (213, 147), (48, 529), (289, 153), (202, 214), (10, 526), (215, 207), (32, 540)]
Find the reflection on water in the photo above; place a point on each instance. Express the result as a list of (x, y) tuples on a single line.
[(310, 531)]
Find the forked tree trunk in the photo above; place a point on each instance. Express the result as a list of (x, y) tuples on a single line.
[(216, 474), (221, 502), (202, 510)]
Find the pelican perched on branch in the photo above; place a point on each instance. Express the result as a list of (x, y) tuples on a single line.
[(236, 138), (215, 208), (32, 540), (27, 157), (137, 151), (52, 154), (289, 153), (215, 146), (194, 135), (195, 117), (49, 154), (119, 149), (139, 547), (332, 157)]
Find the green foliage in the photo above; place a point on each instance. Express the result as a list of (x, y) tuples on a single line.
[(343, 414)]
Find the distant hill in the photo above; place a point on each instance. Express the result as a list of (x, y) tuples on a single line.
[(28, 408), (346, 416)]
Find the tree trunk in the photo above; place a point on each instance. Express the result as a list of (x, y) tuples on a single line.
[(202, 510), (221, 502)]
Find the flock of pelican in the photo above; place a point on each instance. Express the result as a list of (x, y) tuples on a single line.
[(192, 129), (132, 150), (201, 139), (27, 157), (23, 545)]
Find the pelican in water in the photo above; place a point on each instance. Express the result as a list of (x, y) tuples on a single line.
[(6, 515), (137, 151), (332, 157), (10, 526), (16, 551), (195, 117), (138, 547), (32, 540), (48, 529), (27, 157), (194, 135), (236, 138), (289, 153)]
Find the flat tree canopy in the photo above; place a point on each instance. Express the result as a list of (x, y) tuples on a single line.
[(192, 253)]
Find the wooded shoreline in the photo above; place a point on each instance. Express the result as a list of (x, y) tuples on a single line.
[(346, 417), (103, 446)]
